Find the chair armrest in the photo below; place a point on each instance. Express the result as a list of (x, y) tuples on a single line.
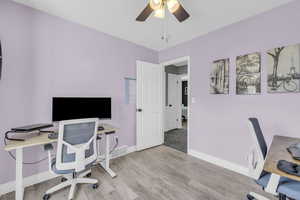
[(48, 147)]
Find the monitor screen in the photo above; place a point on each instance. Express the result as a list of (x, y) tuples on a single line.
[(67, 108)]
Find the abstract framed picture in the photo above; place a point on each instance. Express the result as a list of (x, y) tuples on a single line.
[(248, 71), (219, 77), (284, 69), (0, 61)]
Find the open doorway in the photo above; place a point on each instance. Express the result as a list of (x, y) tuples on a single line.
[(176, 93)]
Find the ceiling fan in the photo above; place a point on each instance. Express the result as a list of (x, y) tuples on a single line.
[(159, 8)]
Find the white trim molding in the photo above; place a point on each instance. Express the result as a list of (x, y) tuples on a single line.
[(220, 162), (174, 61), (131, 149), (41, 177), (28, 181)]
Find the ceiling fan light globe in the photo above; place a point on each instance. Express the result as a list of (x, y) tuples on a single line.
[(156, 4), (173, 5), (160, 13)]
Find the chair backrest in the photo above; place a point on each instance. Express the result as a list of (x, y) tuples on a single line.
[(259, 152), (259, 136), (76, 146)]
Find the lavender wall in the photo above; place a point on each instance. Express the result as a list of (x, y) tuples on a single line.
[(218, 123), (46, 56)]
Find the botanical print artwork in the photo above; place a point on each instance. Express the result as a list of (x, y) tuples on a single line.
[(248, 69), (219, 77), (284, 69)]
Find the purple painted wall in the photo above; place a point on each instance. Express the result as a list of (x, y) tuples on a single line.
[(218, 124), (45, 56)]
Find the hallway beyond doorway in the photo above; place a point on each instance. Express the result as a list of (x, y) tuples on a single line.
[(177, 138)]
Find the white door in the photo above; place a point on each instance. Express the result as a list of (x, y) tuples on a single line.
[(149, 105), (173, 107)]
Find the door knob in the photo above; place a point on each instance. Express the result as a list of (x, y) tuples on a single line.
[(139, 110)]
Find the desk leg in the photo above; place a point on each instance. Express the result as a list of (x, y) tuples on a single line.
[(273, 184), (19, 174), (105, 165)]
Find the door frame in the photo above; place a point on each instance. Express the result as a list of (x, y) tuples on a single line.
[(163, 65), (166, 108)]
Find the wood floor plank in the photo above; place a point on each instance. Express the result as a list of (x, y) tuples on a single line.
[(159, 173)]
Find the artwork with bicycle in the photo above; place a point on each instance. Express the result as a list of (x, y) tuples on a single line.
[(284, 69)]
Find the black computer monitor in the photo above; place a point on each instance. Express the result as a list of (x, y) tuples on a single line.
[(67, 108)]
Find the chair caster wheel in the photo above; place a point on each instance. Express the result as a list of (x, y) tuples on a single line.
[(95, 186), (63, 179), (89, 175), (46, 197)]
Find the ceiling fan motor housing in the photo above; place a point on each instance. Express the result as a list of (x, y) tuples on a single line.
[(159, 6)]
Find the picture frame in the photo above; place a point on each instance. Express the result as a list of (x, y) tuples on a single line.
[(0, 61), (219, 77), (248, 74), (283, 67)]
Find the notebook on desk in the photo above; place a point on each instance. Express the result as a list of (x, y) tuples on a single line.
[(25, 132), (294, 150)]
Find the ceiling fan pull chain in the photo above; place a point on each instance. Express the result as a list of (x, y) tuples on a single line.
[(165, 35)]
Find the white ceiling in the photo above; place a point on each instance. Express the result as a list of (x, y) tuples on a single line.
[(117, 17)]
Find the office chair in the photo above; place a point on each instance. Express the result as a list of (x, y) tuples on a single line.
[(75, 155), (287, 188)]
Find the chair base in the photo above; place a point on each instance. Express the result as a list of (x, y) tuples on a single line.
[(70, 181), (254, 196)]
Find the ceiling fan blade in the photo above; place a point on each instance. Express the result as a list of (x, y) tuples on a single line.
[(145, 13), (181, 14)]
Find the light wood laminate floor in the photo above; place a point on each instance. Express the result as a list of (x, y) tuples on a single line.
[(160, 173)]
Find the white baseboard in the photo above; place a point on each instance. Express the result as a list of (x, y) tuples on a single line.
[(28, 181), (131, 149), (220, 162), (39, 178), (122, 151)]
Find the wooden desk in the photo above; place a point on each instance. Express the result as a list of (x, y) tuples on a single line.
[(43, 139), (278, 151)]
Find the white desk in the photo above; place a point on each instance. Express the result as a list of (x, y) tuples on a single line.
[(43, 139)]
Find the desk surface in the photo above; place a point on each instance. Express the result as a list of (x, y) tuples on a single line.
[(43, 139), (278, 151)]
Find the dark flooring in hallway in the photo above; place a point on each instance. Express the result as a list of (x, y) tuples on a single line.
[(177, 138)]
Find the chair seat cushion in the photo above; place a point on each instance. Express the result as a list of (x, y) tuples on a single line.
[(264, 180), (69, 171), (57, 171), (291, 189), (286, 186)]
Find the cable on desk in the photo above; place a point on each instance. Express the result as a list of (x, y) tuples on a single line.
[(115, 146), (14, 157), (111, 151)]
